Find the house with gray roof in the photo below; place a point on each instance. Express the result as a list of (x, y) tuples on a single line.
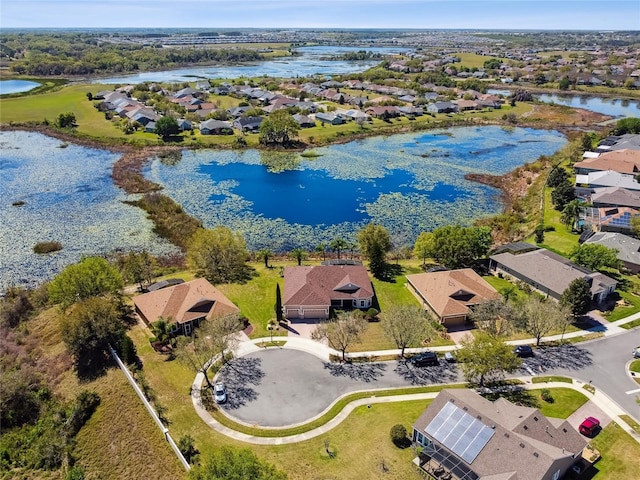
[(547, 272), (215, 127), (608, 178), (247, 124), (467, 437), (330, 118), (628, 248), (442, 107), (614, 197)]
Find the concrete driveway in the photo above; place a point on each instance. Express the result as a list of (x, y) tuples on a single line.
[(589, 409), (281, 387)]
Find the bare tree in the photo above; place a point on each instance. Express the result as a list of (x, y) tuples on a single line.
[(215, 337), (406, 325), (540, 316), (494, 317), (342, 332)]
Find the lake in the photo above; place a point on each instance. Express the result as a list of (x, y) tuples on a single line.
[(309, 62), (16, 86), (605, 105), (409, 183), (70, 198)]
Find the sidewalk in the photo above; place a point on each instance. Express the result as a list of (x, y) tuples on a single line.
[(601, 400)]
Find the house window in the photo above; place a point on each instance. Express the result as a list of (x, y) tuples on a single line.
[(363, 303)]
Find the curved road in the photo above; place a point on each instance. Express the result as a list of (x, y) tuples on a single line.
[(261, 383)]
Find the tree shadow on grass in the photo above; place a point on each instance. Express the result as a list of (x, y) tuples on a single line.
[(364, 372), (390, 272), (238, 376), (441, 373), (516, 394)]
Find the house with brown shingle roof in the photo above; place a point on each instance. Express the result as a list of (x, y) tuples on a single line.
[(312, 292), (467, 437), (450, 295), (184, 306), (624, 161)]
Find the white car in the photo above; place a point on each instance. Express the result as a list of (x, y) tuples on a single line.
[(220, 393), (636, 352)]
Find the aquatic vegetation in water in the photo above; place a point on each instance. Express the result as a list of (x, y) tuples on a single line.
[(68, 197), (409, 183)]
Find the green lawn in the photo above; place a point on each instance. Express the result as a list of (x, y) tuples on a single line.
[(566, 401), (551, 378), (470, 60), (620, 454), (500, 284), (633, 306), (561, 240)]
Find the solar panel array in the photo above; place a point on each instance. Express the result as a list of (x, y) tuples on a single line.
[(458, 431)]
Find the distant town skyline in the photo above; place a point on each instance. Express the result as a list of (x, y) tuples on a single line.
[(600, 15)]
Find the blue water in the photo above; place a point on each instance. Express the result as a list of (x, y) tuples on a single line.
[(607, 106), (409, 183), (16, 86), (310, 62), (70, 198)]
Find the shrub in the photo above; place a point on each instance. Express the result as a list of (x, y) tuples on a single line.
[(399, 435), (47, 247), (546, 395), (186, 444)]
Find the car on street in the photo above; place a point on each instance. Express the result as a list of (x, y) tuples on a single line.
[(450, 357), (636, 352), (220, 392), (589, 427), (424, 358), (523, 351)]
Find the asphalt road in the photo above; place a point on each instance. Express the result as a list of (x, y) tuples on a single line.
[(280, 387), (603, 363)]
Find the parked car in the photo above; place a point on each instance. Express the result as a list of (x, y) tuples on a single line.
[(450, 357), (589, 427), (425, 358), (220, 392), (523, 351), (636, 352)]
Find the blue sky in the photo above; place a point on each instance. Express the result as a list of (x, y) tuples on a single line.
[(473, 14)]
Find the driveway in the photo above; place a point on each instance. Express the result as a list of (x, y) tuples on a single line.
[(280, 387), (589, 409)]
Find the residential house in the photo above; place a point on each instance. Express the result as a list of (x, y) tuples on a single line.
[(236, 112), (622, 161), (184, 125), (464, 105), (451, 295), (215, 127), (628, 248), (312, 292), (188, 91), (464, 436), (383, 112), (614, 197), (442, 107), (304, 121), (247, 124), (614, 219), (608, 178), (184, 306), (411, 111), (547, 272), (330, 118)]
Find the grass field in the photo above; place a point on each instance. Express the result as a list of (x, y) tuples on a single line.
[(471, 60), (620, 453), (561, 239), (566, 401)]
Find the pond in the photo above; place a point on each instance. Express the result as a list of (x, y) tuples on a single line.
[(16, 86), (409, 183), (310, 62), (69, 197), (605, 105)]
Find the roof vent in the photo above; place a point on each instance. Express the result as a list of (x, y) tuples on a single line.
[(564, 430), (535, 454), (465, 409), (535, 418), (521, 445), (525, 427), (506, 434), (479, 417)]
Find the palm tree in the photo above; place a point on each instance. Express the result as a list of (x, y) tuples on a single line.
[(338, 245), (322, 248), (571, 213), (162, 330), (299, 254), (265, 254)]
